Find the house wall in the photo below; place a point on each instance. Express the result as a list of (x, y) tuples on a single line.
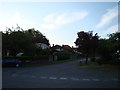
[(42, 45)]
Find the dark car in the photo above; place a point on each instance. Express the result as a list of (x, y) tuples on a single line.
[(11, 62)]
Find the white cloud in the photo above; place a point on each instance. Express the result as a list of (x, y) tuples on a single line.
[(49, 18), (62, 19), (108, 17), (52, 21), (48, 26), (68, 18)]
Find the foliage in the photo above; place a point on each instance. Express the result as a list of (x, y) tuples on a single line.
[(63, 55), (32, 58), (16, 42), (109, 49), (40, 51), (115, 41), (87, 43), (37, 36), (23, 41)]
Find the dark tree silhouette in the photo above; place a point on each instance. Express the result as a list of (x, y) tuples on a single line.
[(86, 42), (22, 41), (37, 36), (109, 49)]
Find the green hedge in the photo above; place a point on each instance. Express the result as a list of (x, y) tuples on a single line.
[(101, 61), (42, 57), (63, 55)]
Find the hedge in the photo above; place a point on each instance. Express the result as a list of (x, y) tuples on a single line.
[(42, 57), (63, 55)]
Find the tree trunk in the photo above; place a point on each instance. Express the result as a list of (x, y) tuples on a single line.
[(53, 56), (86, 58)]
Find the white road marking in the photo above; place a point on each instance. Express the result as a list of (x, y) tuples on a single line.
[(43, 77), (52, 77), (84, 79), (33, 76), (95, 79), (114, 79), (24, 75), (14, 75), (63, 78), (75, 79), (23, 71)]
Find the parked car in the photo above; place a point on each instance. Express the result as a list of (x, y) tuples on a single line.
[(11, 62)]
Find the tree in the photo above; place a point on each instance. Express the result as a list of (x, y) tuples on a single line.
[(16, 42), (86, 42), (94, 44), (37, 36), (109, 49), (22, 41), (115, 41), (104, 50)]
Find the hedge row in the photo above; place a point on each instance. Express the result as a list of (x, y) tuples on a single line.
[(101, 61), (63, 55), (43, 57)]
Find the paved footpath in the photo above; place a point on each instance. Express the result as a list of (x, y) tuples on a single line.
[(65, 75)]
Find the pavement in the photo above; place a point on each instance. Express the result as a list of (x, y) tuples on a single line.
[(64, 75)]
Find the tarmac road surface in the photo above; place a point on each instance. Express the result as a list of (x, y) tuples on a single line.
[(64, 75)]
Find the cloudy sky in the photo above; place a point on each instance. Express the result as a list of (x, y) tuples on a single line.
[(60, 21)]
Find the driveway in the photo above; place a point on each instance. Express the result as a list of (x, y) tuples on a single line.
[(65, 75)]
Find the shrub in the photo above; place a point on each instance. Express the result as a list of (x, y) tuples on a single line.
[(99, 61), (63, 55), (23, 58), (79, 56), (93, 59)]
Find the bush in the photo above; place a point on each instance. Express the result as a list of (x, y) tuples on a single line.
[(23, 58), (64, 55), (79, 56), (40, 51), (93, 59), (99, 61)]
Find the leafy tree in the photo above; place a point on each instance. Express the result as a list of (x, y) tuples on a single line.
[(5, 43), (37, 36), (17, 41), (86, 42), (104, 50), (109, 49), (115, 40)]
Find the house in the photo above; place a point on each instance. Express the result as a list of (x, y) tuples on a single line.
[(42, 45), (67, 48), (75, 50), (56, 48)]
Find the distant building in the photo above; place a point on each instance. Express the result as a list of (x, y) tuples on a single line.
[(42, 45), (57, 48), (67, 48), (75, 50)]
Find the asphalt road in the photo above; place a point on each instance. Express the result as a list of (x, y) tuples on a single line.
[(65, 75)]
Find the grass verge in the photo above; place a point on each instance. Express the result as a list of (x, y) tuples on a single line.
[(48, 63), (104, 67)]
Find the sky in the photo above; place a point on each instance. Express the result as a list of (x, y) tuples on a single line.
[(60, 21)]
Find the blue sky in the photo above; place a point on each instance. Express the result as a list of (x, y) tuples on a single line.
[(60, 21)]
